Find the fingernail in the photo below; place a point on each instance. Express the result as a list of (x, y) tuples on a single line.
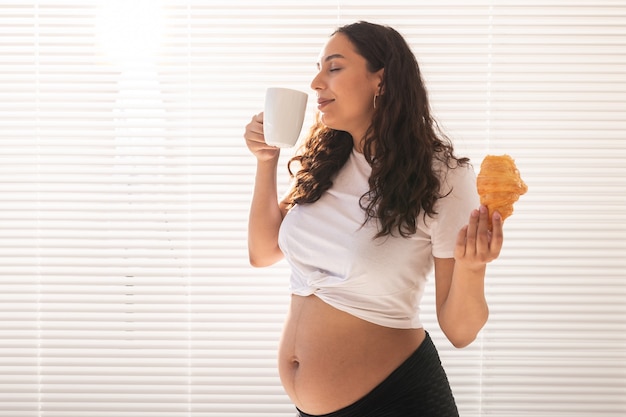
[(483, 209), (497, 216)]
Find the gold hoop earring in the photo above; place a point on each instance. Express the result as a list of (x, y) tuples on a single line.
[(375, 97)]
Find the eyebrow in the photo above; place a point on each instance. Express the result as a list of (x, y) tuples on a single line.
[(331, 57)]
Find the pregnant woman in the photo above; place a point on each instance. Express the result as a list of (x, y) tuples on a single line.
[(378, 199)]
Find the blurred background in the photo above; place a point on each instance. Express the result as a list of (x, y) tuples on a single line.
[(125, 182)]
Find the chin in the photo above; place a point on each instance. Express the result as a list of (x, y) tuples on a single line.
[(328, 122)]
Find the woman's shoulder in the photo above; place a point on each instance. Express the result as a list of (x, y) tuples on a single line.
[(453, 173)]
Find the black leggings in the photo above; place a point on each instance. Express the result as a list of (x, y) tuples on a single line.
[(417, 388)]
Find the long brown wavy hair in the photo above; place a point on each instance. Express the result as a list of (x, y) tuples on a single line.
[(401, 144)]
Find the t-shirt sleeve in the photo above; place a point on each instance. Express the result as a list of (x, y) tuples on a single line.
[(453, 210)]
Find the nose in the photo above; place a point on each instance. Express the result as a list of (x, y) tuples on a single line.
[(317, 82)]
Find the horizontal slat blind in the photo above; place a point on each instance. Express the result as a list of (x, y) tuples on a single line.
[(125, 185), (557, 338)]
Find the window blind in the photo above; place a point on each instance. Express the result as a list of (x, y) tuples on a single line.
[(125, 184)]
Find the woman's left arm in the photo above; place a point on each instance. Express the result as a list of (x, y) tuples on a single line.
[(460, 281)]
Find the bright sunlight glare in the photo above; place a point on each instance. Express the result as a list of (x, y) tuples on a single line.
[(130, 31)]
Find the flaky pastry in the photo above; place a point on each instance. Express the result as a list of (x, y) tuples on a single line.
[(499, 185)]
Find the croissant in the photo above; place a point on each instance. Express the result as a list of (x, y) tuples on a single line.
[(499, 185)]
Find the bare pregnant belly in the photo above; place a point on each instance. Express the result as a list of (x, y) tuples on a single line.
[(329, 359)]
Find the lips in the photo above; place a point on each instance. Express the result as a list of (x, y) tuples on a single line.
[(323, 102)]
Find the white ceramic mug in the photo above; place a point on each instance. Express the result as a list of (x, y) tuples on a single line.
[(283, 116)]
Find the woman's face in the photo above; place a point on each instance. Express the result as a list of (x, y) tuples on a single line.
[(345, 88)]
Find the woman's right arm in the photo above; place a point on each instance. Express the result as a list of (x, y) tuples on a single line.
[(266, 212)]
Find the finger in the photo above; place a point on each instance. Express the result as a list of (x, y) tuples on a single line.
[(254, 135), (256, 125), (257, 122), (470, 239), (497, 235), (482, 232), (254, 129)]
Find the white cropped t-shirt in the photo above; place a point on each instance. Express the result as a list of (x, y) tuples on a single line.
[(334, 256)]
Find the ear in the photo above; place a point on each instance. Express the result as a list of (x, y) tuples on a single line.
[(378, 76)]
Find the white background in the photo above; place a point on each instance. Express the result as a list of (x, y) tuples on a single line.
[(125, 184)]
